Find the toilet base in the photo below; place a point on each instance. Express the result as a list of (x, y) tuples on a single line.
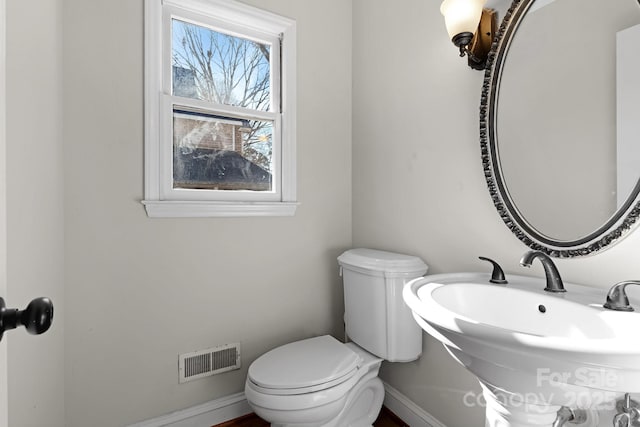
[(364, 408)]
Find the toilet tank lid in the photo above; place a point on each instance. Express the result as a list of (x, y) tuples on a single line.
[(382, 261)]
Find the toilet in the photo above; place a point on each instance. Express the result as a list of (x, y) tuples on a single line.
[(322, 382)]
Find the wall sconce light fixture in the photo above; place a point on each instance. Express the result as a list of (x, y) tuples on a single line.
[(471, 28)]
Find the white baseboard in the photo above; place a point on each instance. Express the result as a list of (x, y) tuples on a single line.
[(406, 410), (205, 415), (235, 406)]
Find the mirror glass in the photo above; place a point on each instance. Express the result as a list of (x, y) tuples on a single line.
[(564, 118)]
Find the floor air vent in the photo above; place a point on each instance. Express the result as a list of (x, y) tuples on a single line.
[(204, 363)]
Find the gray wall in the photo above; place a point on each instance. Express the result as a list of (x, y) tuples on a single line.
[(35, 208), (140, 291), (418, 183), (131, 293)]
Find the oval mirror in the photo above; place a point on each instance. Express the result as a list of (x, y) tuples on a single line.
[(560, 123)]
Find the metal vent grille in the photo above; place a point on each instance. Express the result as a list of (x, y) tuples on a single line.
[(212, 361)]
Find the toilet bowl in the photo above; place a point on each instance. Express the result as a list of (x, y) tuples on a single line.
[(316, 382), (322, 382)]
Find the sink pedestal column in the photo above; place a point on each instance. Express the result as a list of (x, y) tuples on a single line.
[(509, 410)]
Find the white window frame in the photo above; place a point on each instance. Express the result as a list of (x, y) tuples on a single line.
[(161, 200)]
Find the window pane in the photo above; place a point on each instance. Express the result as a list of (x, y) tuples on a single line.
[(221, 153), (220, 68)]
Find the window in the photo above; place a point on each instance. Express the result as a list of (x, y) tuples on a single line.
[(219, 110)]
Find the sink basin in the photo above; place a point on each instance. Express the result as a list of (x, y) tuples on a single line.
[(540, 348)]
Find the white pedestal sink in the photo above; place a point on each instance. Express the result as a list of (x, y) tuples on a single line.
[(532, 351)]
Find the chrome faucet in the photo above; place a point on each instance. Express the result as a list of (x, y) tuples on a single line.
[(617, 296), (554, 281)]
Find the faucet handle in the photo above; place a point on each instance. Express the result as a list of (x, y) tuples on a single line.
[(617, 296), (628, 414), (497, 275), (622, 420)]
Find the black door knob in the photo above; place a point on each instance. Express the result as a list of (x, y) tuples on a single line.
[(36, 318)]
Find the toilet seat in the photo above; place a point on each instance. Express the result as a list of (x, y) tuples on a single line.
[(305, 366), (299, 405)]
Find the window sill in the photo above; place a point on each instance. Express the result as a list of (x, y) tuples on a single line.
[(203, 209)]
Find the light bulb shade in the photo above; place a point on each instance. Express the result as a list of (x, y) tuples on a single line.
[(461, 16)]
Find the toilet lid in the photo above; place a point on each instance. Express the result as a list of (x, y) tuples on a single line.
[(304, 364)]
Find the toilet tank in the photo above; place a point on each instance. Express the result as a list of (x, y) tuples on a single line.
[(376, 317)]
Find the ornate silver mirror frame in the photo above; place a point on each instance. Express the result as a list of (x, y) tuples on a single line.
[(613, 230)]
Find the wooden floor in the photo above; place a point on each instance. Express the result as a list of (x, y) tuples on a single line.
[(385, 419)]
